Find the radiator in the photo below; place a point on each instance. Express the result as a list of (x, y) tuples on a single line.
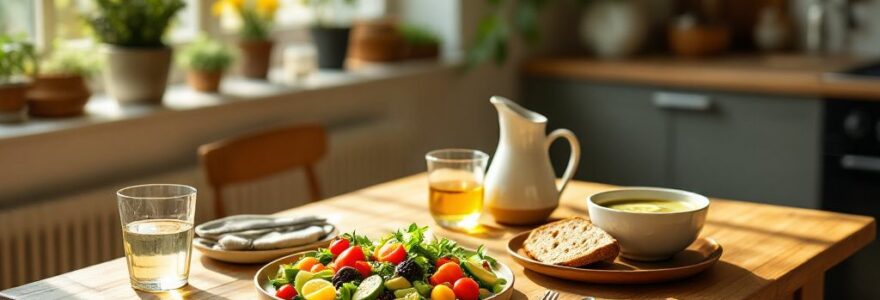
[(59, 235)]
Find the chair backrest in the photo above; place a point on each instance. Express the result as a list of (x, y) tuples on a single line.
[(262, 154)]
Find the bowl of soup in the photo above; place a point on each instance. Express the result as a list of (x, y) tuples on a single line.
[(650, 224)]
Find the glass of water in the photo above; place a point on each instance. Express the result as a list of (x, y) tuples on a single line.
[(157, 233)]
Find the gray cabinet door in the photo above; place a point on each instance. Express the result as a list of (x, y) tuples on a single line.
[(622, 135), (748, 147)]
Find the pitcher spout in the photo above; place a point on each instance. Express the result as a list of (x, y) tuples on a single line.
[(509, 108)]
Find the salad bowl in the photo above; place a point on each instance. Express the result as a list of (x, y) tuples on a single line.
[(386, 277)]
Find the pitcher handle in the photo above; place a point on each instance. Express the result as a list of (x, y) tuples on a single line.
[(575, 157)]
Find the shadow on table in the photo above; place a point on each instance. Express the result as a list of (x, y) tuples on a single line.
[(187, 292), (239, 271), (728, 281)]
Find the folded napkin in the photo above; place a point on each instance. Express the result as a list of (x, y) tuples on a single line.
[(261, 232)]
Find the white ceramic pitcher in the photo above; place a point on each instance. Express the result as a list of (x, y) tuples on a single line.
[(521, 186)]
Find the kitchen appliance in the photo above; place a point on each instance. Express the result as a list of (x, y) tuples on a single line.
[(851, 184)]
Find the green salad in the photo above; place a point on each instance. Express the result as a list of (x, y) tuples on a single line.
[(401, 265)]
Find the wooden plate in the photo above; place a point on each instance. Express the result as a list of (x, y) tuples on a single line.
[(260, 256), (698, 257), (266, 291)]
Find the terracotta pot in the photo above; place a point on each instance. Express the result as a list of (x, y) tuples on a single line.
[(13, 97), (204, 81), (58, 96), (137, 74), (256, 57), (12, 102), (413, 51), (376, 41), (332, 44)]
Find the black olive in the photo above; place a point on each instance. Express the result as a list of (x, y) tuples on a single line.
[(346, 274), (410, 270), (388, 295)]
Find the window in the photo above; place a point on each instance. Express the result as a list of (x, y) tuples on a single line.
[(47, 21), (18, 17)]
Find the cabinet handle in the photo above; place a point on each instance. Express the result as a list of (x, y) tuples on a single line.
[(682, 101), (860, 163)]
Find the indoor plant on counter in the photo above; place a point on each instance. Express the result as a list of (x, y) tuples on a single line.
[(419, 42), (16, 62), (256, 17), (60, 89), (137, 59), (330, 32), (205, 60)]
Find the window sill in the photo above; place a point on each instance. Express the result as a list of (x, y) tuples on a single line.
[(102, 109)]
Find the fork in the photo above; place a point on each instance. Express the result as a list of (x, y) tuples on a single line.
[(550, 295)]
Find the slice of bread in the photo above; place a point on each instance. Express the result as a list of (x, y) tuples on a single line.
[(571, 242)]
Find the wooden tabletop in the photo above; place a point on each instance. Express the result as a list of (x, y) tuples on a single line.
[(802, 75), (769, 251)]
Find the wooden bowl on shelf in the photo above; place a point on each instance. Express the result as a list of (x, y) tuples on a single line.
[(698, 40)]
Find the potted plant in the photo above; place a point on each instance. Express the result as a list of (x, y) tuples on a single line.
[(16, 62), (376, 40), (205, 60), (330, 32), (419, 42), (256, 18), (137, 59), (60, 89)]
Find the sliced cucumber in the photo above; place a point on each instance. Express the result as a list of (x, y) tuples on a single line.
[(369, 289), (486, 277), (402, 293), (412, 296), (423, 288), (397, 283)]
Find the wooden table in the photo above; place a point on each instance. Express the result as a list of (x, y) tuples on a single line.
[(769, 251)]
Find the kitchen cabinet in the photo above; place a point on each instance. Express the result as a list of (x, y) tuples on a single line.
[(622, 134), (727, 145)]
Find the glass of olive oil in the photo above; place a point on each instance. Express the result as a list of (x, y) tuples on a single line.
[(455, 179), (157, 233)]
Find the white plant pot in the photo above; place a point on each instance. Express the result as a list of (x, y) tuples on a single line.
[(614, 28), (136, 74)]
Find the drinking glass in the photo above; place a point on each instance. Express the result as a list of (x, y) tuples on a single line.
[(157, 233), (455, 178)]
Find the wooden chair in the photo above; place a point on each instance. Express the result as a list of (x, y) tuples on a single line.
[(258, 155)]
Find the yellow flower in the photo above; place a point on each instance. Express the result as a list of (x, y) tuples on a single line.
[(267, 7), (222, 6)]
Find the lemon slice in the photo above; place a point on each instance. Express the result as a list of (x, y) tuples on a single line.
[(318, 289)]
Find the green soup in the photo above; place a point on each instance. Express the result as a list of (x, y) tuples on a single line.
[(648, 205)]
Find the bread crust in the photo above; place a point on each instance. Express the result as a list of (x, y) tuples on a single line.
[(608, 249)]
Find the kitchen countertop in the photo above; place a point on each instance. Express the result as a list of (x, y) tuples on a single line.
[(774, 74)]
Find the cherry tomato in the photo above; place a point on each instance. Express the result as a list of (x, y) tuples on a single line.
[(466, 289), (447, 273), (394, 253), (444, 260), (442, 292), (306, 263), (286, 292), (318, 267), (338, 246), (348, 257), (364, 268)]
